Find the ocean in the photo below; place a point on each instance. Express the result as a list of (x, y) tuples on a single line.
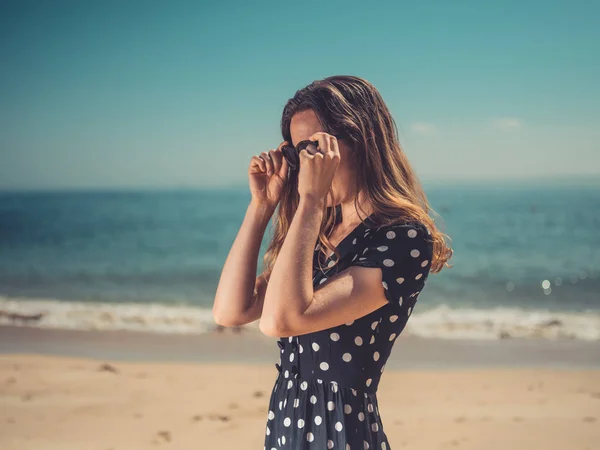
[(526, 259)]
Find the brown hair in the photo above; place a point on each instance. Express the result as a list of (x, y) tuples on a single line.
[(353, 108)]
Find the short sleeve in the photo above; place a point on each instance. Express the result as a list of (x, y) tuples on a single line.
[(403, 252)]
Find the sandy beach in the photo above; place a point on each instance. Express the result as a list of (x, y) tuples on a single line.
[(52, 401)]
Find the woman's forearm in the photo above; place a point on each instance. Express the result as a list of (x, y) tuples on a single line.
[(235, 291), (290, 288)]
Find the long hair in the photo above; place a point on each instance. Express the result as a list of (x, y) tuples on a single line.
[(352, 107)]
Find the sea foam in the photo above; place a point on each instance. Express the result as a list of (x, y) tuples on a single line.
[(442, 322)]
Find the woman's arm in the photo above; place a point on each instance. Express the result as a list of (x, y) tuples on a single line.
[(392, 270), (291, 305), (240, 293)]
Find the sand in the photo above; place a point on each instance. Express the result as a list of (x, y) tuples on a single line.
[(61, 402)]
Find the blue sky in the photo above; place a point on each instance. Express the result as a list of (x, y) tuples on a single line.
[(149, 94)]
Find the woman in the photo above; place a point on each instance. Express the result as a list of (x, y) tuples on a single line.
[(337, 307)]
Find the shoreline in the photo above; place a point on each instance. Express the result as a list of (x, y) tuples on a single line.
[(252, 347)]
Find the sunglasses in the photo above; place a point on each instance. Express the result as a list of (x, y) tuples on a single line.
[(292, 154)]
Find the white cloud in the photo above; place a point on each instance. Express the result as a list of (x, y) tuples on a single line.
[(422, 127), (507, 123)]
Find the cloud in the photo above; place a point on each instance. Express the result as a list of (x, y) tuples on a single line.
[(422, 127), (507, 123)]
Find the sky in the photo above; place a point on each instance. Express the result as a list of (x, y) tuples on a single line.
[(111, 94)]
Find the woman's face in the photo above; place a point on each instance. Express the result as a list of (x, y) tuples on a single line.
[(303, 125)]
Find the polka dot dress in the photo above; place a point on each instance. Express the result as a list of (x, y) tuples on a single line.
[(325, 393)]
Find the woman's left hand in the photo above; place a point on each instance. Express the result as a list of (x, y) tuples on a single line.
[(317, 168)]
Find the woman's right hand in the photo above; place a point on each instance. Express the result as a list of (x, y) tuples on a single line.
[(267, 175)]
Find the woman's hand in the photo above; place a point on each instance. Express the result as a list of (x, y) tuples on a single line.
[(267, 175), (318, 167)]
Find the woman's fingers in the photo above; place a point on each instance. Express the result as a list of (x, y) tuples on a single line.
[(323, 139), (257, 161), (276, 158), (268, 162)]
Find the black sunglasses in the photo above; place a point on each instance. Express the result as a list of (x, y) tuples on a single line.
[(292, 154)]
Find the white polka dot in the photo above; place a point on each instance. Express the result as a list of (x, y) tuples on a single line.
[(365, 250), (372, 340), (392, 336), (334, 386), (319, 381), (324, 366), (370, 407), (300, 423), (287, 421), (290, 339), (338, 426), (281, 405), (418, 277), (390, 235), (318, 420), (353, 391), (374, 325), (374, 427), (283, 440), (376, 356), (329, 443), (323, 280), (334, 337), (286, 373), (393, 318), (415, 253), (347, 409), (310, 437), (409, 310), (382, 367), (313, 399), (330, 405), (271, 415), (315, 346), (296, 402), (383, 446), (347, 446), (384, 284), (361, 416), (400, 280), (268, 431), (300, 348), (400, 300), (365, 445), (412, 233), (347, 357), (388, 262), (382, 248), (354, 241), (290, 384), (358, 340), (291, 357), (331, 264), (303, 385), (368, 383), (350, 323), (424, 263)]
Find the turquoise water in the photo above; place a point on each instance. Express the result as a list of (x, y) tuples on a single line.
[(533, 248)]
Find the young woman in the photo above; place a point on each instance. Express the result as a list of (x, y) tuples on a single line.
[(352, 248)]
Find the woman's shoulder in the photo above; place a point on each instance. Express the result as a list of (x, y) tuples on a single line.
[(402, 228)]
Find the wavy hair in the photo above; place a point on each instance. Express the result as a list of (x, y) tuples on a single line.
[(353, 108)]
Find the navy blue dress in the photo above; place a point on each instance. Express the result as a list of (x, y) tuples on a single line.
[(325, 394)]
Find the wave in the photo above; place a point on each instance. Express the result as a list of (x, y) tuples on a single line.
[(441, 322)]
